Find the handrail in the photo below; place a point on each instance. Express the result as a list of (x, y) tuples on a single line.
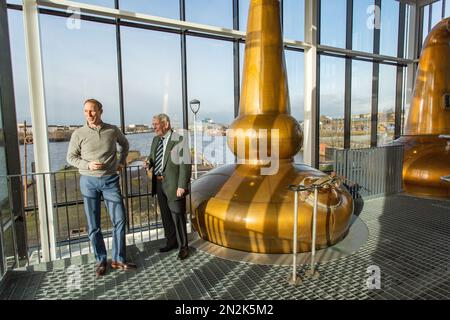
[(321, 183), (145, 222)]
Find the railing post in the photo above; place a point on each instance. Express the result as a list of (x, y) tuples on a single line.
[(294, 279), (312, 272)]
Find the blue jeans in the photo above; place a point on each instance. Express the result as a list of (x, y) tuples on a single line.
[(92, 188)]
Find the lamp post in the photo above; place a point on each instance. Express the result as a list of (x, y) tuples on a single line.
[(195, 107)]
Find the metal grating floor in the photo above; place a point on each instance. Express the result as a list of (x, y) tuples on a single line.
[(409, 241)]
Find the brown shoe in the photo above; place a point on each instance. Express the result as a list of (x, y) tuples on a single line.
[(123, 265), (100, 269), (184, 253)]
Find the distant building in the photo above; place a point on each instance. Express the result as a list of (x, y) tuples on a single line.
[(137, 128)]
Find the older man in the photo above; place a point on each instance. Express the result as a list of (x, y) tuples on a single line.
[(170, 180), (93, 150)]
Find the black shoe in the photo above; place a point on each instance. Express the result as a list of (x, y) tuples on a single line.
[(100, 269), (184, 253), (167, 248)]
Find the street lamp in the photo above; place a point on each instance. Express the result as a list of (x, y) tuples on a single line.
[(195, 107)]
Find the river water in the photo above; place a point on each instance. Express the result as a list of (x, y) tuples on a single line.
[(213, 148)]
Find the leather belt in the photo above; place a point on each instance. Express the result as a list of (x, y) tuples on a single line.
[(160, 178)]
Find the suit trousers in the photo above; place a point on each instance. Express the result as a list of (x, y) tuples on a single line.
[(173, 215)]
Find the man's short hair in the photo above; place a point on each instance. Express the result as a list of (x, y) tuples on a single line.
[(162, 117), (97, 103)]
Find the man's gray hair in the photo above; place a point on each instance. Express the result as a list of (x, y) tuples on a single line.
[(163, 118)]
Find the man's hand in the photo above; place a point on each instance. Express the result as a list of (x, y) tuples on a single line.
[(180, 192), (120, 168), (95, 165), (146, 164)]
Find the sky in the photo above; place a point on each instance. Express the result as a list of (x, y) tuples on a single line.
[(81, 63)]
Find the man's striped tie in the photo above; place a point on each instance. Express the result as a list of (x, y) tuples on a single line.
[(159, 155)]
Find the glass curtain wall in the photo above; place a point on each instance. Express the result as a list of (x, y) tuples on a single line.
[(78, 64), (361, 104), (293, 22), (19, 67), (161, 8), (82, 62), (210, 79), (152, 67), (386, 104), (151, 84), (389, 27), (432, 14), (243, 14), (332, 108), (215, 13), (332, 33), (365, 20), (295, 73)]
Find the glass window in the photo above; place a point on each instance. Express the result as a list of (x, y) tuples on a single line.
[(241, 62), (389, 27), (151, 63), (361, 105), (365, 20), (405, 104), (162, 8), (19, 68), (436, 13), (244, 5), (447, 8), (332, 33), (426, 17), (102, 3), (210, 79), (406, 53), (332, 102), (293, 19), (386, 104), (295, 73), (78, 64), (216, 13)]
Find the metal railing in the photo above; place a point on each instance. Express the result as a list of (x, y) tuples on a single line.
[(70, 226), (374, 172)]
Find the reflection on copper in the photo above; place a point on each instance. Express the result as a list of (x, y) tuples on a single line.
[(426, 158), (256, 211)]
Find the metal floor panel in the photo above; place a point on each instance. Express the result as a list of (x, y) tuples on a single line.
[(408, 240)]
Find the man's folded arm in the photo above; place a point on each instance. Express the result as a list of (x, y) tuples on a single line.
[(74, 154)]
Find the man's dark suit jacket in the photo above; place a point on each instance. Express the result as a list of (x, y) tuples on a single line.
[(176, 168)]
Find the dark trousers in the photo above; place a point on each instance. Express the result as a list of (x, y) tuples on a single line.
[(173, 214)]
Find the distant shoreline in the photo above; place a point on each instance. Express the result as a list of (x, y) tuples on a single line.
[(64, 135)]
